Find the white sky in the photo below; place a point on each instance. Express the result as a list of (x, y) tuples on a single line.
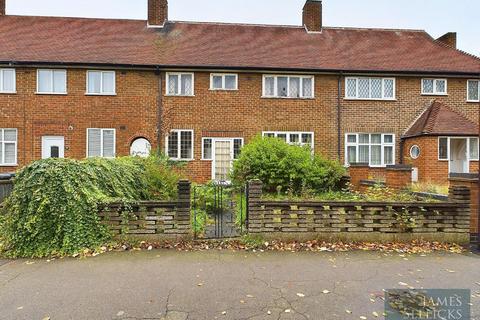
[(435, 16)]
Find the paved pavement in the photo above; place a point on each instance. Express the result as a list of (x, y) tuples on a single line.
[(223, 284)]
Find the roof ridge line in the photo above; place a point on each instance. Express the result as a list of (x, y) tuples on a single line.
[(444, 45)]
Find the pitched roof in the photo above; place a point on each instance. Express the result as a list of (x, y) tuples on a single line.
[(438, 119), (188, 44)]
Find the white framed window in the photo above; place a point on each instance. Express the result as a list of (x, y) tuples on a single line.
[(415, 152), (7, 81), (282, 86), (208, 145), (179, 145), (434, 86), (376, 149), (8, 147), (223, 81), (292, 137), (180, 84), (473, 90), (101, 82), (101, 143), (364, 88), (444, 148), (51, 81)]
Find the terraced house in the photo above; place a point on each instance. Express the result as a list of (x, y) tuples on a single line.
[(75, 87)]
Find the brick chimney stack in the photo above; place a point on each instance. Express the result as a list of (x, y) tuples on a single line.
[(450, 39), (2, 7), (157, 12), (312, 15)]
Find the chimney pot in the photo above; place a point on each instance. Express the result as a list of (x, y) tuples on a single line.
[(312, 15), (157, 12), (450, 39)]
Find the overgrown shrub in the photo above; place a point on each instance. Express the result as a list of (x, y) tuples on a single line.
[(53, 207), (285, 168)]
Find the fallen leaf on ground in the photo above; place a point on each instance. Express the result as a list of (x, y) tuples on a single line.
[(363, 317), (325, 291), (120, 313), (288, 310), (301, 295), (375, 314), (403, 284)]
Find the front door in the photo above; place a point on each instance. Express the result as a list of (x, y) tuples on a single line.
[(222, 160), (458, 155), (53, 147)]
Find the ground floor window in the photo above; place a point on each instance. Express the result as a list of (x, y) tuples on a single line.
[(208, 145), (376, 149), (8, 147), (180, 145), (101, 143), (448, 146), (140, 147), (292, 137)]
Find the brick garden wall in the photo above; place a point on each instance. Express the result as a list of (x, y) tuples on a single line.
[(362, 221), (159, 219)]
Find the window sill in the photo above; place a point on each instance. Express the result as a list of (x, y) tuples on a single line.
[(223, 89), (52, 93), (287, 98), (473, 101), (9, 165), (435, 94), (181, 160), (6, 92), (101, 94), (368, 99), (179, 95), (206, 159)]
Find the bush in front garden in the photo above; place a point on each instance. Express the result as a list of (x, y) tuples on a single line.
[(286, 168), (53, 207)]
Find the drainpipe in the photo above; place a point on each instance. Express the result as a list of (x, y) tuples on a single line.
[(402, 146), (339, 117), (478, 199), (159, 112)]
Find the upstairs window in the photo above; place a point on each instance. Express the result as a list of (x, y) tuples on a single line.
[(180, 84), (288, 86), (180, 145), (8, 147), (473, 90), (101, 143), (220, 81), (292, 137), (370, 88), (434, 86), (101, 82), (7, 81), (52, 81), (378, 150)]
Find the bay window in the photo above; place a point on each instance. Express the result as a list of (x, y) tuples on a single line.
[(376, 149)]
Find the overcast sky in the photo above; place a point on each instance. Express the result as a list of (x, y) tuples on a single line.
[(435, 16)]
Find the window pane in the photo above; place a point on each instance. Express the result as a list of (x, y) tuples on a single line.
[(351, 154), (388, 88), (364, 138), (376, 155), (307, 138), (269, 86), (294, 87), (282, 136), (388, 138), (269, 135), (172, 84), (10, 153), (94, 82), (307, 87), (441, 86), (207, 149), (108, 143), (363, 154), (59, 81), (10, 135), (376, 138), (473, 148), (8, 81), (45, 81), (173, 145), (427, 85), (473, 90), (376, 88), (217, 82), (352, 88), (282, 84), (187, 85), (237, 146), (1, 153), (294, 138), (443, 148), (388, 155), (364, 88), (109, 82), (351, 138), (94, 143), (186, 145), (230, 82)]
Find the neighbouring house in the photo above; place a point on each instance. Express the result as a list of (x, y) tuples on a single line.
[(76, 87)]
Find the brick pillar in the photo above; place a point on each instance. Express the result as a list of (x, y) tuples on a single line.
[(254, 195), (398, 177), (358, 172), (183, 206), (469, 181)]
